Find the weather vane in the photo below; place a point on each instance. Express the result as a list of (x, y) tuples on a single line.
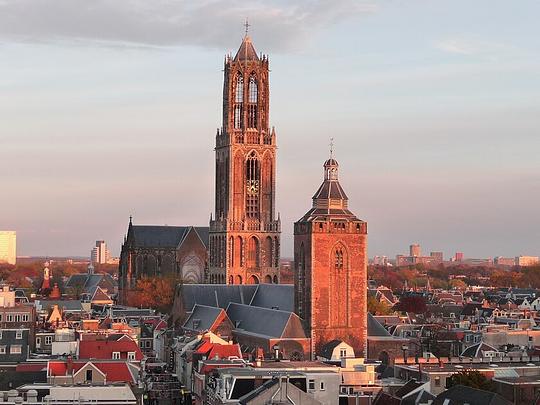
[(247, 25), (331, 148)]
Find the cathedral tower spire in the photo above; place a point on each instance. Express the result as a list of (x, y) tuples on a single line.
[(244, 236)]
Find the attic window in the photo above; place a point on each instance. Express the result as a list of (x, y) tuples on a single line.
[(116, 356), (131, 356)]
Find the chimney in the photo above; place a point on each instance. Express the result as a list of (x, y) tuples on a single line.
[(69, 365)]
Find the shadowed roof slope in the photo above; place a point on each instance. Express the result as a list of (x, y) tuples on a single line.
[(246, 50), (215, 295), (374, 328), (277, 296), (265, 322), (202, 318)]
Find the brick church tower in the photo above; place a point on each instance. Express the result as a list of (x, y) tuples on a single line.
[(330, 275), (244, 233)]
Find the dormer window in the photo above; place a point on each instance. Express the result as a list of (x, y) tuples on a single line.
[(116, 356), (131, 356)]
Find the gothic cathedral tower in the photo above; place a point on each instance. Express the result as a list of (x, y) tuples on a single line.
[(244, 234), (330, 268)]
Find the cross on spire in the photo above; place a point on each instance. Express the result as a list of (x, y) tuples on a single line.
[(247, 25), (331, 148)]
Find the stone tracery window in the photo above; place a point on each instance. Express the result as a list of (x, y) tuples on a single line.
[(253, 102), (239, 100), (338, 258), (252, 185)]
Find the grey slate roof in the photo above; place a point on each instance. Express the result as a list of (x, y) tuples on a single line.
[(157, 236), (202, 318), (278, 296), (477, 349), (66, 305), (216, 295), (374, 328), (328, 348), (89, 282), (460, 395), (264, 322), (165, 236)]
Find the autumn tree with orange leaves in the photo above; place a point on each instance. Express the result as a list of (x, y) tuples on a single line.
[(153, 292)]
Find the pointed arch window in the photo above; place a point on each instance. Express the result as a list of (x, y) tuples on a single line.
[(252, 186), (253, 91), (252, 100), (239, 94), (238, 106), (339, 259)]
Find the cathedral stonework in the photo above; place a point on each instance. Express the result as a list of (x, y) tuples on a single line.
[(244, 240), (330, 259)]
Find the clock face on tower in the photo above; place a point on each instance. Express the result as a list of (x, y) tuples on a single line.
[(252, 187)]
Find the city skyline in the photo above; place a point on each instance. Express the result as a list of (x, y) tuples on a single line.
[(435, 135)]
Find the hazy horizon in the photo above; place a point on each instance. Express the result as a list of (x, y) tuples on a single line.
[(111, 110)]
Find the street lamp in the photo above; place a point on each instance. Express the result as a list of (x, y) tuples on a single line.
[(405, 348)]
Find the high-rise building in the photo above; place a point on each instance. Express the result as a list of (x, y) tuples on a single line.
[(504, 261), (245, 233), (437, 256), (330, 259), (8, 247), (100, 254), (527, 261), (415, 250), (459, 256)]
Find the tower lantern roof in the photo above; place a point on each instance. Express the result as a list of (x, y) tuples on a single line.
[(246, 52)]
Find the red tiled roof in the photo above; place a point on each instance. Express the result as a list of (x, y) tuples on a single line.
[(161, 325), (204, 348), (225, 351), (103, 349), (116, 371)]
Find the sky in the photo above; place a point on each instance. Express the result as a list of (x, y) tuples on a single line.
[(109, 109)]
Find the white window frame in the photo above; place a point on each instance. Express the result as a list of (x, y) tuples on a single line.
[(19, 334), (311, 385), (48, 340), (116, 355), (131, 356), (15, 349), (321, 386), (3, 349), (38, 341)]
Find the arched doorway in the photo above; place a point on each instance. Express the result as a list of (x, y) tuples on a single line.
[(253, 280)]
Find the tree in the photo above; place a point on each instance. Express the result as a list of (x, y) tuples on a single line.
[(411, 303), (458, 284), (376, 307), (154, 292), (470, 378)]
